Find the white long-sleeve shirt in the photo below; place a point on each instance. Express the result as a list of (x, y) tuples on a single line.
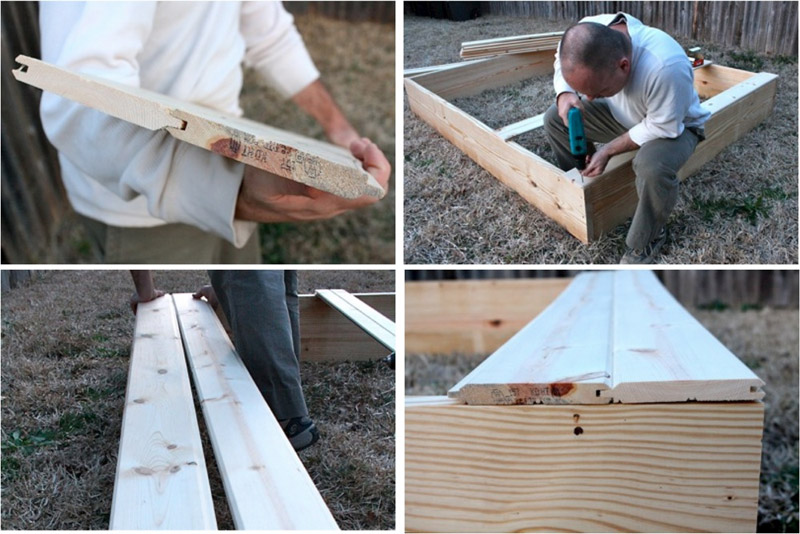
[(659, 100), (124, 175)]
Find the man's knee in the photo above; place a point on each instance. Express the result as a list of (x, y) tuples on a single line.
[(650, 168)]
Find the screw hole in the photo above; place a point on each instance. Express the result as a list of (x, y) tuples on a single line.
[(578, 431)]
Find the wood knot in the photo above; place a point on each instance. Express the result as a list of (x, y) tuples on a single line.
[(174, 469), (172, 446), (145, 471), (139, 401), (162, 371)]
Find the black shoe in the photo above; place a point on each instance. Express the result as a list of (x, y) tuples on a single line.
[(301, 432), (646, 255)]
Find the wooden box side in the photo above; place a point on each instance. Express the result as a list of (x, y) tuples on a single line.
[(473, 316), (682, 467)]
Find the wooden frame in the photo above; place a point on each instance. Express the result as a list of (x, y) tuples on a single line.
[(738, 101)]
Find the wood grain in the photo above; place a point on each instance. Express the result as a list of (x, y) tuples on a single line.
[(472, 316), (547, 187), (510, 45), (615, 336), (265, 482), (315, 163), (161, 479), (686, 467), (371, 321), (327, 335)]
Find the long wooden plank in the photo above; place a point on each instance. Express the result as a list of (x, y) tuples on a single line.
[(663, 354), (472, 316), (685, 467), (161, 480), (416, 71), (381, 328), (519, 128), (327, 335), (514, 44), (303, 159), (611, 337), (560, 357), (556, 193), (265, 482)]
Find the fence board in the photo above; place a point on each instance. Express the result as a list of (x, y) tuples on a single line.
[(765, 27)]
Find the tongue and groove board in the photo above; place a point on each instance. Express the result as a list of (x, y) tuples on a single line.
[(677, 467), (367, 318), (265, 482), (161, 479), (611, 337), (311, 162)]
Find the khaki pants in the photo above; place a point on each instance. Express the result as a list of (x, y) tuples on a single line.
[(169, 243), (656, 165)]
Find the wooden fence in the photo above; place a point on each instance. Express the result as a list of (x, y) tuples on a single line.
[(764, 27), (715, 289), (34, 202), (352, 11)]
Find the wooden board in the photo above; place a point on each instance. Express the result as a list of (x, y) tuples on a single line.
[(685, 467), (415, 71), (265, 482), (611, 337), (472, 316), (327, 335), (161, 479), (510, 45), (519, 128), (554, 192), (372, 322), (305, 160)]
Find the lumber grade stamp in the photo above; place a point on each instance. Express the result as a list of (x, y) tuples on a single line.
[(311, 162), (588, 209)]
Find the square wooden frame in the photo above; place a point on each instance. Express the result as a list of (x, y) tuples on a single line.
[(738, 100)]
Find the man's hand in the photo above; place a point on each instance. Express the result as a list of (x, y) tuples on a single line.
[(145, 289), (265, 197), (565, 102), (596, 163), (208, 293)]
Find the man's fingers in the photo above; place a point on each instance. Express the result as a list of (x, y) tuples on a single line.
[(373, 158)]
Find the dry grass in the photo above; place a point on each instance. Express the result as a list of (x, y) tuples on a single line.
[(66, 341), (767, 341), (739, 208), (356, 61)]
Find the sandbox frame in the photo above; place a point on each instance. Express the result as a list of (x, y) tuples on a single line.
[(587, 208)]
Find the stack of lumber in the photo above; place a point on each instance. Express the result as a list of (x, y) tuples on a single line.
[(611, 337), (510, 45)]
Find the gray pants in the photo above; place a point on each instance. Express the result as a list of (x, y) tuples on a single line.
[(263, 310), (168, 243), (656, 165)]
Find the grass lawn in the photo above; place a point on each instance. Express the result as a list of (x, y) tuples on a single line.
[(66, 345)]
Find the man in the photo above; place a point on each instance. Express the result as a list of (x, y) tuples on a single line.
[(638, 93), (146, 197), (263, 311)]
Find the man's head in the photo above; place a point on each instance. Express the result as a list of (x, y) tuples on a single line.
[(595, 59)]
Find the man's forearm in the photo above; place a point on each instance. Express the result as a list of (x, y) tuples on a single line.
[(143, 280), (620, 145), (315, 100)]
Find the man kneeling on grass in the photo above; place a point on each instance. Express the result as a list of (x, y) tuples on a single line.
[(638, 90)]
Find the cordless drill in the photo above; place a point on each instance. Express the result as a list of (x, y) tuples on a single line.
[(577, 139)]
